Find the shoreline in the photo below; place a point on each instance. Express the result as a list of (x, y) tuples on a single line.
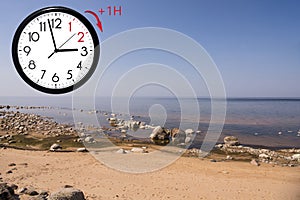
[(186, 178)]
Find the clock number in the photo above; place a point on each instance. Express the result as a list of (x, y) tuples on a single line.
[(43, 26), (81, 38), (31, 65), (85, 52), (79, 65), (55, 78), (58, 21), (33, 36), (27, 50), (44, 71), (69, 72), (70, 26)]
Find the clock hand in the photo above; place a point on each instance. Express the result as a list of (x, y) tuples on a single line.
[(53, 40), (66, 50), (67, 41)]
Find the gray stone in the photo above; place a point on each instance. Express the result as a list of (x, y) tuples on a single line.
[(67, 194)]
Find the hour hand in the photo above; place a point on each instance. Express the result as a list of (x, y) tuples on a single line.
[(66, 50)]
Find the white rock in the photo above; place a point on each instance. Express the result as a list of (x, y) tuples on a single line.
[(188, 139), (83, 149), (137, 150), (189, 131), (89, 139), (296, 157), (123, 131), (157, 130), (55, 147), (264, 156), (121, 151), (254, 162)]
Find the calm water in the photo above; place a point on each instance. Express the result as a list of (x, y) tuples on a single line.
[(254, 121)]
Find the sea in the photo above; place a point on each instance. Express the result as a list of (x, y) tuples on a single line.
[(258, 122)]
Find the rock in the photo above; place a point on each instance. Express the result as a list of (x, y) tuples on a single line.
[(121, 151), (55, 147), (178, 136), (296, 157), (31, 192), (231, 141), (213, 160), (160, 135), (137, 150), (11, 164), (6, 192), (254, 162), (83, 149), (188, 139), (9, 172), (228, 157), (89, 139), (67, 194), (189, 131), (21, 190), (156, 131), (263, 156)]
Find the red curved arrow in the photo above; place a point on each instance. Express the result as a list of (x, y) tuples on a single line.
[(99, 24)]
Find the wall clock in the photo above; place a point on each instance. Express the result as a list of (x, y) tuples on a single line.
[(55, 50)]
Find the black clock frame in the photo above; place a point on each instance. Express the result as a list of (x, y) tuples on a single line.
[(37, 13)]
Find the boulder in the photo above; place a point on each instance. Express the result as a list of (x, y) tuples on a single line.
[(296, 157), (231, 141), (67, 194), (178, 136), (7, 192), (55, 147), (160, 135), (156, 131)]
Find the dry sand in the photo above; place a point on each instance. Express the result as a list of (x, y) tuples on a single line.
[(187, 178)]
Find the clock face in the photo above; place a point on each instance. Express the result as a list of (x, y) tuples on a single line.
[(55, 50)]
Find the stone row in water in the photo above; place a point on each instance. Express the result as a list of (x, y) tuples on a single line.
[(23, 124)]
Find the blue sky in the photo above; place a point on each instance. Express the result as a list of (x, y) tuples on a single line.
[(255, 44)]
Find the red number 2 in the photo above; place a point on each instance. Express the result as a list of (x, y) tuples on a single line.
[(81, 38)]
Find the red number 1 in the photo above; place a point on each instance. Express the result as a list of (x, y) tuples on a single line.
[(70, 26)]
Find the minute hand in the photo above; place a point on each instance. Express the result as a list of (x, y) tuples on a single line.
[(66, 50)]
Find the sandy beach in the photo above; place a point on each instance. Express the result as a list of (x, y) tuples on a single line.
[(187, 178)]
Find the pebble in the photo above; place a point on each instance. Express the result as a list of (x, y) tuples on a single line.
[(11, 164)]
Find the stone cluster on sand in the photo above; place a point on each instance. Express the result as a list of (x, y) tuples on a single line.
[(284, 157), (13, 192)]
